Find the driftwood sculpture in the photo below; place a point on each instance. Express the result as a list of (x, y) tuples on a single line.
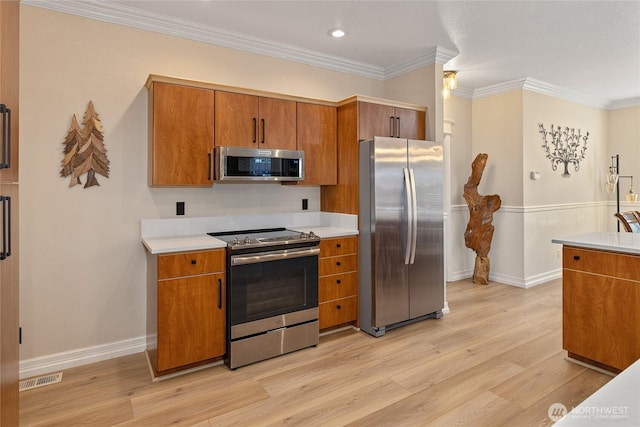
[(479, 230)]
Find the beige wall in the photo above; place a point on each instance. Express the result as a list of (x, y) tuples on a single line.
[(585, 185), (82, 263), (623, 135), (497, 131)]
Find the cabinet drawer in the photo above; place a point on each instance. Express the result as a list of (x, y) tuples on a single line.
[(339, 246), (337, 286), (338, 312), (606, 263), (190, 263), (337, 265)]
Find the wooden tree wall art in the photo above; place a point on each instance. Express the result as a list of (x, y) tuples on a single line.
[(84, 150), (479, 230)]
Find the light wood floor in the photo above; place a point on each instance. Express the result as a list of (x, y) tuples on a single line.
[(496, 359)]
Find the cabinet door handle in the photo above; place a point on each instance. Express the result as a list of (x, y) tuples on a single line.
[(6, 136), (209, 166), (393, 125), (338, 263), (264, 130), (338, 306), (398, 127), (193, 261), (6, 227), (338, 245), (255, 130), (576, 257), (219, 293), (338, 281)]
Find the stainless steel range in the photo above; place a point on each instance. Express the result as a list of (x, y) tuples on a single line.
[(272, 293)]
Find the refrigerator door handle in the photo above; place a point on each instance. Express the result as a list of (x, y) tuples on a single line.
[(414, 209), (409, 201)]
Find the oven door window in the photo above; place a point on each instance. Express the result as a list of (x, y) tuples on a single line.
[(261, 290)]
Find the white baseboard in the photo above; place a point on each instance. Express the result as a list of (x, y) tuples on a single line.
[(83, 356), (510, 280)]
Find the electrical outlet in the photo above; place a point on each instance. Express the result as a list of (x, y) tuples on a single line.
[(305, 204), (179, 208)]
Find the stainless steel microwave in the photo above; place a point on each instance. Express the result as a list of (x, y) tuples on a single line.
[(239, 164)]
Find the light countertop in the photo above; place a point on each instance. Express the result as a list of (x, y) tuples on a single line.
[(163, 245), (617, 403), (327, 232), (160, 236), (607, 241)]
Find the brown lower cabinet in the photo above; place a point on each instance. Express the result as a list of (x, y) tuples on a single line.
[(185, 309), (338, 282), (601, 307)]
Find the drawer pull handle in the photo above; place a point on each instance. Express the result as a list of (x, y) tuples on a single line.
[(576, 257), (338, 306), (193, 262), (338, 263), (338, 245), (338, 281)]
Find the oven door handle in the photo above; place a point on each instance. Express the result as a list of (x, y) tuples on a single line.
[(273, 255)]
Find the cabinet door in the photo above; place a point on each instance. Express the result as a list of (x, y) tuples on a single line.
[(181, 146), (374, 120), (191, 320), (236, 120), (317, 137), (411, 122), (9, 76), (277, 127), (600, 318)]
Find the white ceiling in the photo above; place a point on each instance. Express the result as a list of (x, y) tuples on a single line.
[(591, 48)]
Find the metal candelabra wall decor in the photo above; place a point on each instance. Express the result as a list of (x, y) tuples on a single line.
[(566, 147)]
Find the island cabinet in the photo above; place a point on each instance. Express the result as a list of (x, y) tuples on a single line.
[(317, 136), (601, 307), (180, 135), (243, 120), (338, 281), (185, 309), (361, 118)]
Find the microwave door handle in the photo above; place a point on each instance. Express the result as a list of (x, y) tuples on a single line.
[(409, 204)]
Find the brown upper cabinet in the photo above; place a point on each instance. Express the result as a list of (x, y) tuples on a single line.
[(180, 135), (387, 120), (253, 121), (317, 137), (361, 118)]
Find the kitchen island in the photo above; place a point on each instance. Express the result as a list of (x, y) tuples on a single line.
[(601, 299)]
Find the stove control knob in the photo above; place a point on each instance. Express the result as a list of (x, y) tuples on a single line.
[(303, 235), (247, 240), (235, 242), (312, 234)]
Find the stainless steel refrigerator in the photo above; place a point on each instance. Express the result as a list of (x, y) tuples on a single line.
[(401, 232)]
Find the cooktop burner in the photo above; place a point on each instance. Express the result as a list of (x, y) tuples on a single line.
[(265, 238)]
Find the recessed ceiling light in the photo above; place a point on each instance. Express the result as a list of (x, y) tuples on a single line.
[(337, 33)]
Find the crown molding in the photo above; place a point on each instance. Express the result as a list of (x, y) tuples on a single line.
[(624, 103), (538, 86), (132, 17), (435, 55)]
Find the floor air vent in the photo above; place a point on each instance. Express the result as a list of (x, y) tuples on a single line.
[(40, 381)]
